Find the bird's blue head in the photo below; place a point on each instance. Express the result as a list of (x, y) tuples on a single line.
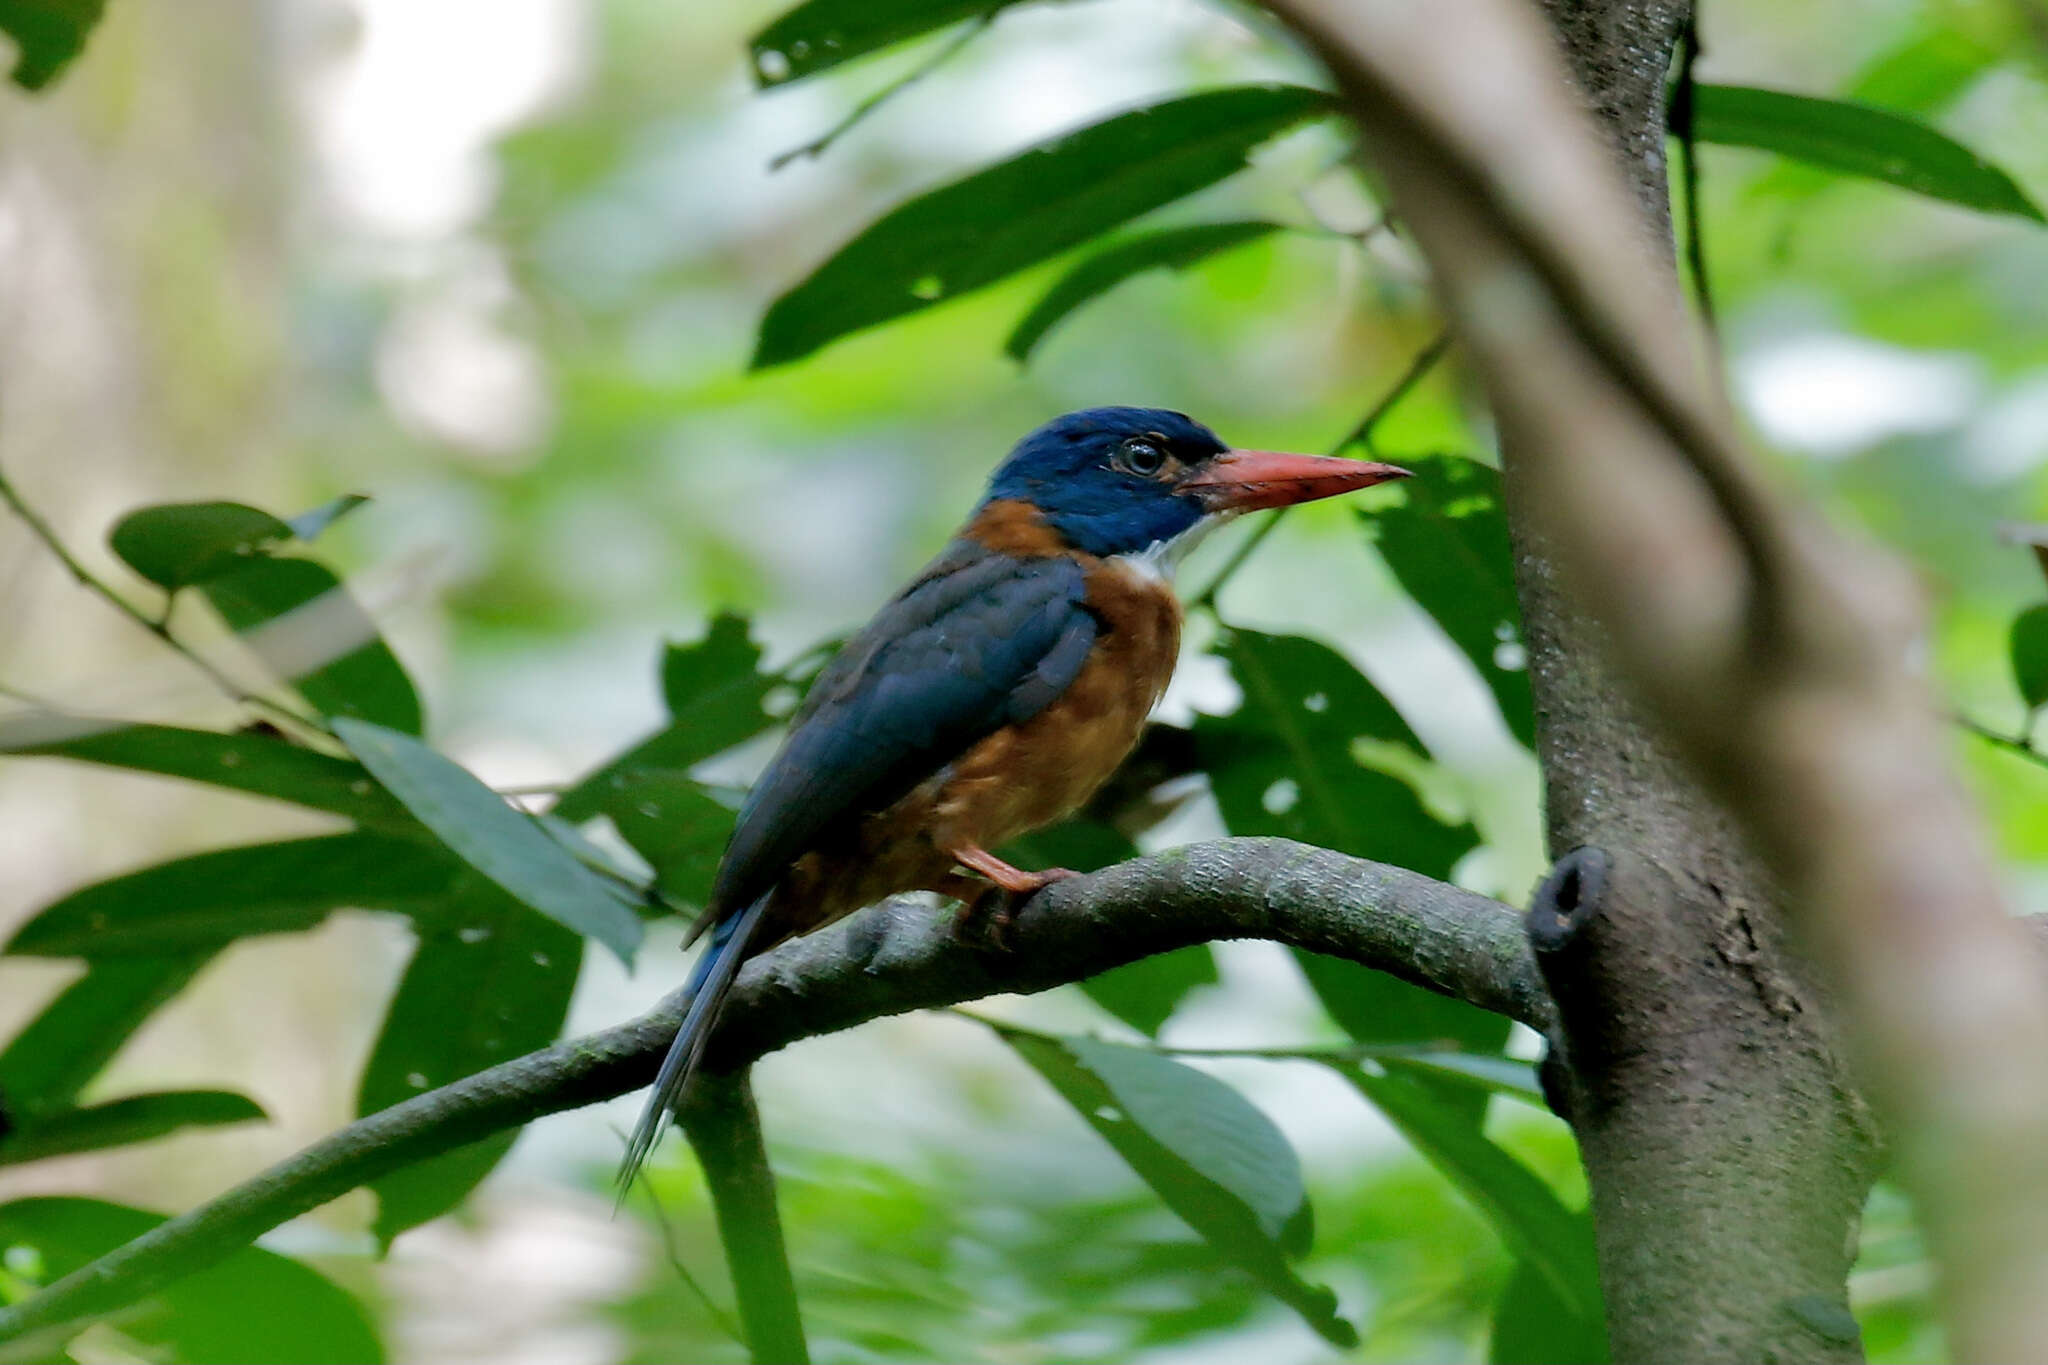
[(1112, 481)]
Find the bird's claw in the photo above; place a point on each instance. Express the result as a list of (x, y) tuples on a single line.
[(987, 917)]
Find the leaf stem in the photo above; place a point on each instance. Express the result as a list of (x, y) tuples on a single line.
[(817, 146), (158, 626)]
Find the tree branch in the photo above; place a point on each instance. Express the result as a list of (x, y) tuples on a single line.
[(1773, 658), (886, 960)]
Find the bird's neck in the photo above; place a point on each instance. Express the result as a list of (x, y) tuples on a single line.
[(1013, 526)]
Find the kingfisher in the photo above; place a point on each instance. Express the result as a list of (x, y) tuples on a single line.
[(989, 697)]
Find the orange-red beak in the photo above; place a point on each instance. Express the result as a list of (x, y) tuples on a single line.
[(1248, 480)]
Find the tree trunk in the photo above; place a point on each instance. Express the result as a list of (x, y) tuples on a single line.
[(1695, 1057)]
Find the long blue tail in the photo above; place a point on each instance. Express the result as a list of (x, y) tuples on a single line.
[(709, 984)]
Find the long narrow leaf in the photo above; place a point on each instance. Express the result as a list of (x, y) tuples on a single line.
[(1857, 139), (202, 902), (1529, 1218), (490, 980), (314, 635), (960, 237), (1173, 248), (64, 1047), (122, 1122), (506, 846), (1215, 1160), (251, 763)]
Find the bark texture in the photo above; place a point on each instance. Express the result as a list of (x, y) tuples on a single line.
[(1728, 1157), (1774, 659)]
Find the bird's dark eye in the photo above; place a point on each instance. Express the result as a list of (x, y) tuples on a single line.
[(1141, 456)]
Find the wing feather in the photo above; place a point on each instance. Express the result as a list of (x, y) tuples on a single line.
[(978, 641)]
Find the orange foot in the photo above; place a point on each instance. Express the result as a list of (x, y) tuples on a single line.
[(989, 914)]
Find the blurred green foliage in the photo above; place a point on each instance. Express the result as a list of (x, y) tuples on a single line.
[(634, 245)]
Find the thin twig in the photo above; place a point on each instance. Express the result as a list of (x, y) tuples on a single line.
[(817, 146), (156, 626), (673, 1254), (2022, 745), (1418, 368), (1683, 109)]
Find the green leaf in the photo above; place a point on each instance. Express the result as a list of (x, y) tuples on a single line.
[(489, 981), (1173, 248), (1487, 1075), (677, 826), (1532, 1325), (210, 899), (246, 762), (498, 841), (716, 695), (175, 545), (252, 1308), (119, 1123), (1144, 994), (78, 1033), (1287, 762), (1216, 1161), (308, 525), (1857, 139), (1447, 543), (2030, 655), (330, 652), (49, 33), (820, 34), (1935, 64), (1059, 194), (1523, 1210)]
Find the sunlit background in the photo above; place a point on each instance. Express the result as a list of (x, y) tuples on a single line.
[(497, 264)]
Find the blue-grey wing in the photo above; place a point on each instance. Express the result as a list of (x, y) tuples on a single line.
[(980, 640)]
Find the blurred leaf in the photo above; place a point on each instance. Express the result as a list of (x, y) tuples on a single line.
[(820, 34), (118, 1123), (489, 981), (1935, 64), (1447, 543), (174, 545), (251, 763), (679, 828), (253, 1308), (330, 652), (1145, 993), (1533, 1326), (1536, 1227), (1215, 1160), (2030, 655), (955, 239), (498, 841), (1286, 763), (207, 900), (715, 692), (64, 1047), (1174, 248), (308, 525), (1856, 139), (49, 33)]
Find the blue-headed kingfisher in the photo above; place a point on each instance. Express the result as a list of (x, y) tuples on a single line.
[(988, 698)]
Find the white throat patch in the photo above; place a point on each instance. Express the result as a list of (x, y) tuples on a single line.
[(1156, 562)]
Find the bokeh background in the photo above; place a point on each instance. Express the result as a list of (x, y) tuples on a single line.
[(497, 264)]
